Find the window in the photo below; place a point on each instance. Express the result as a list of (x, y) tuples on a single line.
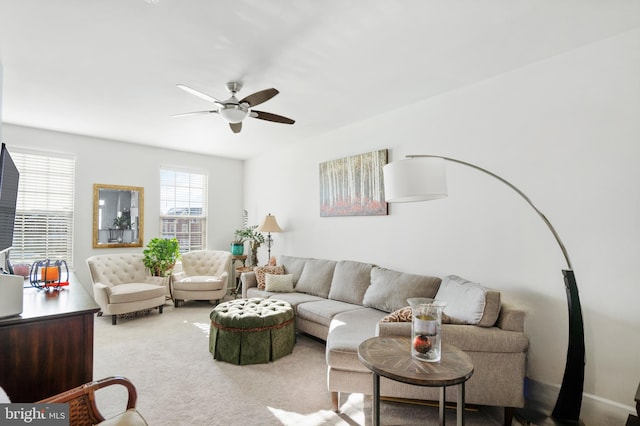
[(183, 207), (44, 211)]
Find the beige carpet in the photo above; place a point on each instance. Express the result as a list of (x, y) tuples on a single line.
[(179, 383)]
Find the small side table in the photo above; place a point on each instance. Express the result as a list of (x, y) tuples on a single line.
[(239, 258), (390, 357)]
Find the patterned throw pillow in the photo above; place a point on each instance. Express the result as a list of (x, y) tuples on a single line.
[(404, 315), (401, 315), (262, 270)]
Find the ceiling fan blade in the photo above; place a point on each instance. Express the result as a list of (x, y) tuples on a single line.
[(200, 94), (187, 114), (236, 127), (259, 97), (271, 117)]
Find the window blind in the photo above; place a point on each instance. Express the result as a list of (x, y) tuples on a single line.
[(44, 210), (183, 207)]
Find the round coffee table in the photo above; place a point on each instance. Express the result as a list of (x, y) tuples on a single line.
[(390, 357)]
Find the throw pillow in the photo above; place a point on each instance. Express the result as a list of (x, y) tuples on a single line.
[(389, 290), (260, 272), (469, 302), (405, 315), (278, 283), (401, 315), (316, 277), (350, 281), (293, 265)]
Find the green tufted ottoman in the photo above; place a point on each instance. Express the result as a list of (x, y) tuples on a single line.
[(252, 331)]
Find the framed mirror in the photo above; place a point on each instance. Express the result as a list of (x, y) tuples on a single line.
[(118, 216)]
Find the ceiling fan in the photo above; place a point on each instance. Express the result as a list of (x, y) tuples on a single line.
[(233, 111)]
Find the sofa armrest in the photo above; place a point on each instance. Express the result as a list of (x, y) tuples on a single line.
[(248, 280), (393, 328), (511, 318)]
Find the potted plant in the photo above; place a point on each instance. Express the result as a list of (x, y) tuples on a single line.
[(122, 222), (237, 245), (249, 233), (161, 255)]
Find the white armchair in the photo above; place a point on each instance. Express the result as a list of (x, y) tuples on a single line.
[(204, 276), (122, 284)]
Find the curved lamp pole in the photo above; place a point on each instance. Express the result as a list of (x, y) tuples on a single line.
[(410, 180)]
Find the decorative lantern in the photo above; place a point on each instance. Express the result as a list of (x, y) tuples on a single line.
[(49, 275)]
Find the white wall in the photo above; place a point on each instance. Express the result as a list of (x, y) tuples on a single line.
[(565, 131), (117, 163), (0, 101)]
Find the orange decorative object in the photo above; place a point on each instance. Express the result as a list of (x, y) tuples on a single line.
[(50, 273)]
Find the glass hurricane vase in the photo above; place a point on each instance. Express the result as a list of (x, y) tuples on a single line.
[(426, 328)]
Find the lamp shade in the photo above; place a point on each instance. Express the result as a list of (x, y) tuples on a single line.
[(416, 179), (269, 224)]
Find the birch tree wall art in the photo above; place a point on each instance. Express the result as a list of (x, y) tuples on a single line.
[(353, 186)]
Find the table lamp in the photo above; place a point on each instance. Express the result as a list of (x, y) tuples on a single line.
[(422, 178), (269, 225)]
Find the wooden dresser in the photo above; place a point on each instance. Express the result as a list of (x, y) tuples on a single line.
[(49, 348)]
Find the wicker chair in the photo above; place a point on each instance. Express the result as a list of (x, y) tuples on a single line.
[(82, 404)]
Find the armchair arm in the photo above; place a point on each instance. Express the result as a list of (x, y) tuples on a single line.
[(178, 276), (248, 280), (82, 401), (101, 294), (224, 278)]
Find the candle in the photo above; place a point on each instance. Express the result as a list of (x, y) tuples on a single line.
[(50, 273)]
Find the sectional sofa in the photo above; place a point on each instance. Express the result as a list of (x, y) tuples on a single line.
[(345, 302)]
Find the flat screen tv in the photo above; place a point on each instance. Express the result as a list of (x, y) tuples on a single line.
[(9, 176)]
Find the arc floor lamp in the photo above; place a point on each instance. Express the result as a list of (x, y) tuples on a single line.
[(422, 178)]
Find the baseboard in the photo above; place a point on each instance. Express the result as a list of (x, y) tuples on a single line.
[(448, 405), (595, 410)]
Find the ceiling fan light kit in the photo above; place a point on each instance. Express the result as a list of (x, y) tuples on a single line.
[(233, 111)]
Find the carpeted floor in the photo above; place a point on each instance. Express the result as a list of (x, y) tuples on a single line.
[(179, 383)]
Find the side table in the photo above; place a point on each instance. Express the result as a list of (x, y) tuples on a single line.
[(390, 357)]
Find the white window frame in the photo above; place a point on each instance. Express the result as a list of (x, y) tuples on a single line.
[(44, 225), (183, 206)]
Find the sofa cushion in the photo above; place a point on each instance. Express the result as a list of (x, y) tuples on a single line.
[(294, 299), (134, 292), (389, 290), (468, 302), (322, 311), (260, 272), (316, 277), (293, 265), (350, 281), (199, 283), (278, 283), (346, 331)]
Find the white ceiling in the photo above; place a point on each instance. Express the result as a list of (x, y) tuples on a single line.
[(109, 68)]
